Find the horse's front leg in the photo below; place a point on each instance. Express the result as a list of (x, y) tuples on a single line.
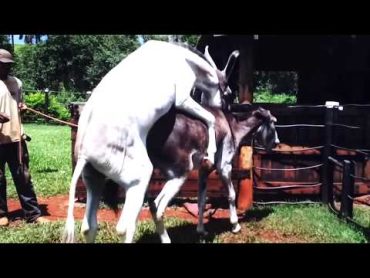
[(170, 189), (195, 109)]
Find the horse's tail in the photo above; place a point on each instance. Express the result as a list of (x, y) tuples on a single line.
[(111, 195), (68, 236)]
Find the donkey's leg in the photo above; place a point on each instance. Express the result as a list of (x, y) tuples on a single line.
[(227, 182), (202, 195), (136, 176), (194, 108), (94, 182), (170, 189)]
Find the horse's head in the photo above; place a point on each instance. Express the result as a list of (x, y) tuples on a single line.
[(266, 135), (222, 91)]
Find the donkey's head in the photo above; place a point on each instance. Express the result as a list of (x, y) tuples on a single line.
[(266, 135), (223, 90)]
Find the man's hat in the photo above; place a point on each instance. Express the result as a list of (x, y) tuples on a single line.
[(6, 56)]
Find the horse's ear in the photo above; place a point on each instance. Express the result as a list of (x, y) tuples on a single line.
[(209, 58), (230, 64), (203, 71)]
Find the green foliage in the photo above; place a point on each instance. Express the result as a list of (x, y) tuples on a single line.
[(268, 97), (276, 81), (73, 62), (190, 39), (155, 37), (36, 100), (4, 42), (26, 66)]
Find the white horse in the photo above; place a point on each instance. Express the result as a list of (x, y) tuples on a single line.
[(113, 127)]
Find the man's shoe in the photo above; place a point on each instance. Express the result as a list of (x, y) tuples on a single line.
[(4, 221), (42, 220)]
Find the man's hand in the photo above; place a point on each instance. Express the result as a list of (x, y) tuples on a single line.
[(4, 118), (22, 106)]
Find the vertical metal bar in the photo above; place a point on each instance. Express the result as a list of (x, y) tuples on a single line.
[(346, 208), (327, 169)]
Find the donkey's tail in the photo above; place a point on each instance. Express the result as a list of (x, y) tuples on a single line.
[(68, 236)]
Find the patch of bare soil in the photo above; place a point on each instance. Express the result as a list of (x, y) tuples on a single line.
[(55, 208)]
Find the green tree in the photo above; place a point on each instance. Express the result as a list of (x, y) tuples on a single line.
[(190, 39), (154, 37), (72, 62), (4, 42), (30, 39)]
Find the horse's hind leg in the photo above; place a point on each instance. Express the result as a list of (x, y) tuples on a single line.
[(170, 189), (136, 176), (94, 182)]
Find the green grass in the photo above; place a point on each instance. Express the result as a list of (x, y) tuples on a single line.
[(361, 214), (297, 223), (263, 224), (52, 232), (50, 159)]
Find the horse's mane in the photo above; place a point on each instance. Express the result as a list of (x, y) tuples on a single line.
[(192, 49)]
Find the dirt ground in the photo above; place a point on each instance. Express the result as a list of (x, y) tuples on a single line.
[(55, 208)]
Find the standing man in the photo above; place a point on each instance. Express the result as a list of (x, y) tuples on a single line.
[(13, 149)]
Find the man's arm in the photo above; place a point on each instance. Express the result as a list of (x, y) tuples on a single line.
[(4, 118)]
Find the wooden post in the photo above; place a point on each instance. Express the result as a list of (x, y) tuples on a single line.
[(46, 92), (245, 194), (246, 69)]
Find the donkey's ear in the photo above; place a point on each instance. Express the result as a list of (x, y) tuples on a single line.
[(230, 64), (209, 58), (260, 113), (264, 114)]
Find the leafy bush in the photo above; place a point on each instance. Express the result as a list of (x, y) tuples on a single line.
[(36, 100), (268, 97)]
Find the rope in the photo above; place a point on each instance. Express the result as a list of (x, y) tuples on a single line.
[(352, 150), (347, 126), (357, 105), (289, 186), (295, 150), (52, 118), (285, 202), (282, 169), (360, 178), (300, 125), (306, 106)]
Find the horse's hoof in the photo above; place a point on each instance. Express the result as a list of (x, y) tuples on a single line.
[(207, 163)]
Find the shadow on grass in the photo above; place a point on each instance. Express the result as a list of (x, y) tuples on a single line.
[(47, 170), (186, 233)]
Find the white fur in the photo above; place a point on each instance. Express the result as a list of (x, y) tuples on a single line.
[(119, 114)]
